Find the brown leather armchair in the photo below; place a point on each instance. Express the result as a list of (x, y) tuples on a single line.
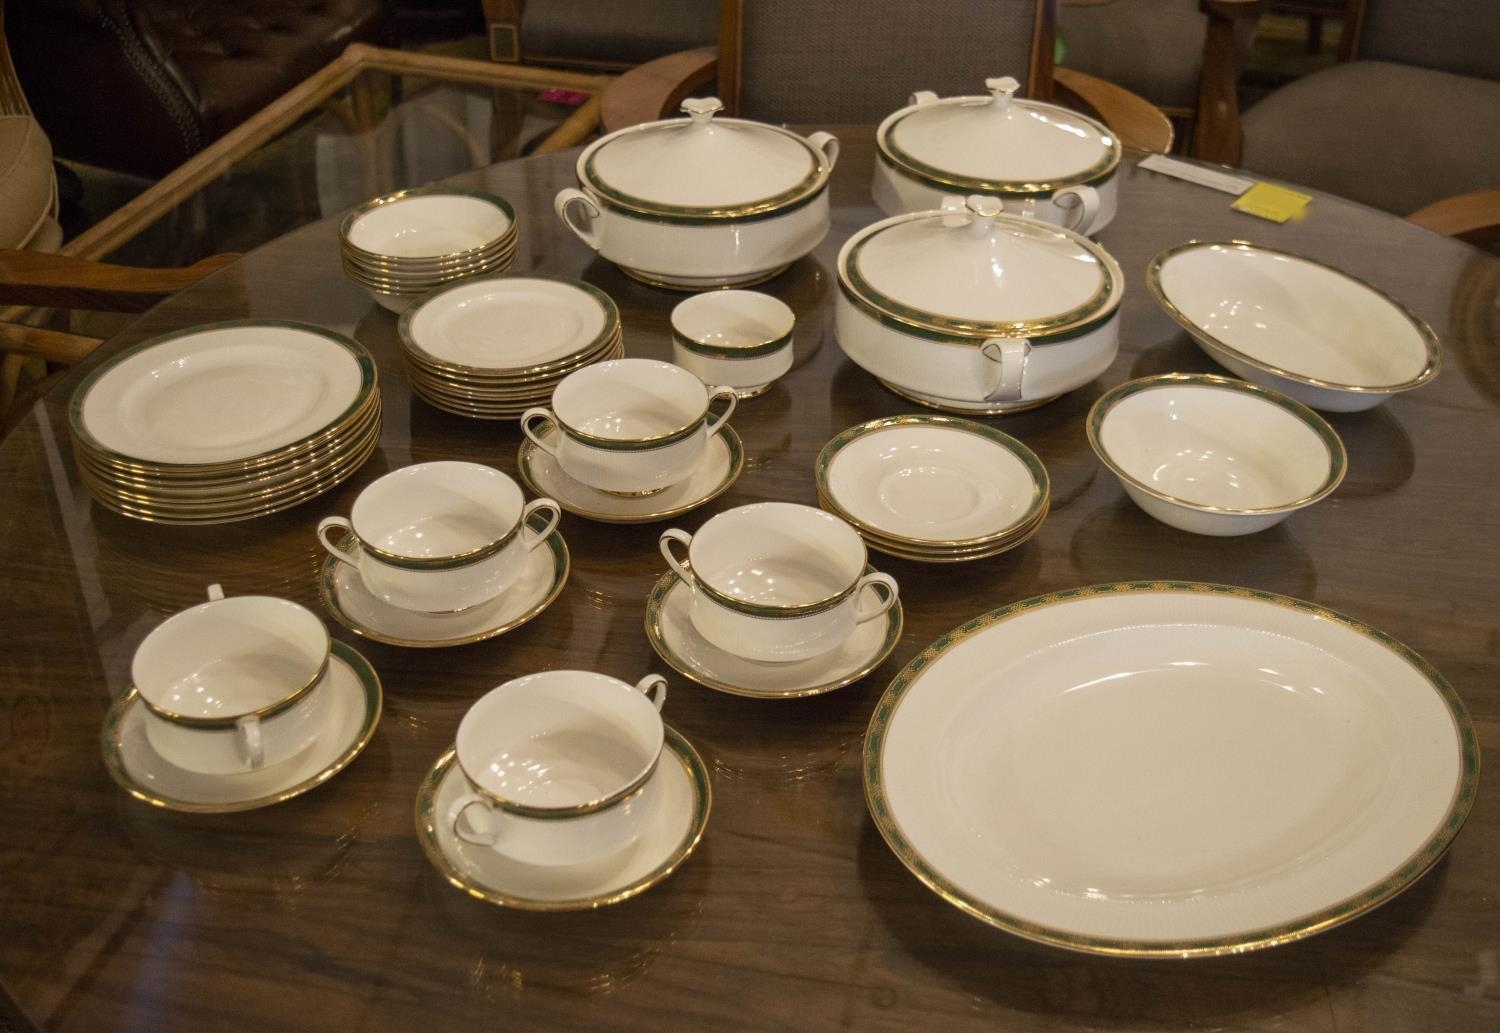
[(142, 85)]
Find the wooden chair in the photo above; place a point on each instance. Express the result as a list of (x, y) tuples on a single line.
[(855, 61), (1408, 121)]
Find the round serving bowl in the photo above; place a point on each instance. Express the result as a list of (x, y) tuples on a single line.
[(1044, 160), (970, 310), (702, 202), (402, 245), (1326, 338), (1213, 455)]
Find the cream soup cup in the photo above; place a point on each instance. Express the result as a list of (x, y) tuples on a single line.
[(440, 537), (777, 581), (559, 766), (740, 339), (233, 684), (630, 426)]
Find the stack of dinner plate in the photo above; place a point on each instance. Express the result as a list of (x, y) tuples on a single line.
[(400, 246), (492, 348), (935, 489), (225, 422)]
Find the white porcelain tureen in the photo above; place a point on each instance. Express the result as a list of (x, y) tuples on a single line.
[(702, 202), (969, 310), (1044, 160)]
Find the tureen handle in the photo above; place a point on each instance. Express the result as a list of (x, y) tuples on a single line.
[(1082, 211), (829, 145), (1002, 90), (702, 109), (563, 203), (922, 97), (1008, 356)]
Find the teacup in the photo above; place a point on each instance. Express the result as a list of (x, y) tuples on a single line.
[(740, 339), (233, 684), (776, 581), (630, 426), (559, 766), (440, 537)]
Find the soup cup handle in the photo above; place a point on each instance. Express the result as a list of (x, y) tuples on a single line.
[(215, 593), (1084, 209), (489, 834), (563, 205), (328, 523), (527, 417), (886, 589), (251, 747), (1009, 356), (682, 568), (657, 682), (714, 395), (828, 144), (538, 537)]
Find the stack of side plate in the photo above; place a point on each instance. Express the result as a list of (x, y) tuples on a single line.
[(935, 489), (402, 245), (225, 422), (492, 348)]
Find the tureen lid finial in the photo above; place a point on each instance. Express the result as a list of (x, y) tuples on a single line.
[(985, 206), (702, 109), (1002, 89)]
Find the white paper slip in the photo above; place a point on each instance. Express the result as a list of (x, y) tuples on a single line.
[(1206, 177)]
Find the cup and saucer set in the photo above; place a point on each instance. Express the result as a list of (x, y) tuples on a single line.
[(563, 791), (237, 703), (441, 554), (772, 600)]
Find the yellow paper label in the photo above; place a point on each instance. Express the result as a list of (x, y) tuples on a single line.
[(1272, 202)]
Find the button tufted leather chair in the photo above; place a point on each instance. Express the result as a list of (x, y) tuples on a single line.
[(142, 85)]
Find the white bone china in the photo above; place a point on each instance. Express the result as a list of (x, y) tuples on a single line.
[(629, 426), (1047, 162), (559, 765), (1212, 455), (740, 339), (234, 684), (777, 581), (440, 537), (702, 202)]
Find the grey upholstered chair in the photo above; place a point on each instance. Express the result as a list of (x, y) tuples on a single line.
[(827, 62), (1413, 121)]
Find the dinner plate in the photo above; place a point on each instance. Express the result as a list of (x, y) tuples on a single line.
[(1326, 338), (225, 392), (521, 323), (932, 481), (1168, 768)]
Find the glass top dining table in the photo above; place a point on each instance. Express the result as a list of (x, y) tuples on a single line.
[(322, 912)]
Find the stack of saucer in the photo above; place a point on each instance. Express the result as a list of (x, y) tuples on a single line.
[(400, 246), (225, 422), (492, 348), (934, 489)]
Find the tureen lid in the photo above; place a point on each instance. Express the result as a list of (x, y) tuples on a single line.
[(997, 144), (702, 167), (967, 271)]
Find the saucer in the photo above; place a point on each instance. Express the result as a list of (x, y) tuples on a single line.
[(358, 609), (669, 626), (682, 815), (355, 701), (722, 460)]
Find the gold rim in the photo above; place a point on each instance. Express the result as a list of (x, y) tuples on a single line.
[(1338, 460), (526, 457), (561, 567), (1041, 483), (114, 762), (1400, 877), (656, 635), (427, 835), (1429, 338)]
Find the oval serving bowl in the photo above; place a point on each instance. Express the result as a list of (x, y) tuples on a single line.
[(1311, 331)]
